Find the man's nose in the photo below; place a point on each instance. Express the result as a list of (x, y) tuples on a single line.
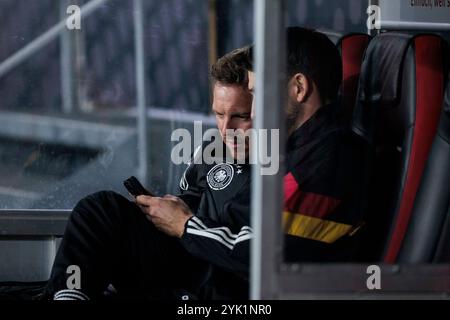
[(228, 124)]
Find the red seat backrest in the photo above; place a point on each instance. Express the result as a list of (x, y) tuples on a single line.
[(398, 107), (352, 48)]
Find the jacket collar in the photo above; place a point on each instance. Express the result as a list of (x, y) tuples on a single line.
[(321, 122)]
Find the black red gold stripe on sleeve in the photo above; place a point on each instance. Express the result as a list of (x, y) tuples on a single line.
[(308, 227), (307, 203)]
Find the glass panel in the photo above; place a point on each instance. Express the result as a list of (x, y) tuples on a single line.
[(68, 112)]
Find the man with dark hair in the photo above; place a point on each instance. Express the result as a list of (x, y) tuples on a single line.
[(193, 245), (320, 214), (315, 61), (312, 54)]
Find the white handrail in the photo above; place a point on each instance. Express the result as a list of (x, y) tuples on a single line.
[(413, 25), (41, 41)]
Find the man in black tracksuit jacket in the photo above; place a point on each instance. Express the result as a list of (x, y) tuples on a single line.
[(220, 230), (113, 242)]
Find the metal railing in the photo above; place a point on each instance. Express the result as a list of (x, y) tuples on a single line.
[(68, 92), (43, 40)]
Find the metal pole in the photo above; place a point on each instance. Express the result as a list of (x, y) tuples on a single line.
[(411, 25), (267, 190), (140, 91), (80, 87), (67, 63), (41, 41)]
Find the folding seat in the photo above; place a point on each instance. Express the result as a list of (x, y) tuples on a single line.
[(396, 116), (352, 48), (428, 235)]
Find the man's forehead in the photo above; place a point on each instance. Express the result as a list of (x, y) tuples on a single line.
[(237, 107), (235, 103), (226, 92)]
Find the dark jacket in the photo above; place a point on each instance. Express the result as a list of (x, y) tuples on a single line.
[(219, 196)]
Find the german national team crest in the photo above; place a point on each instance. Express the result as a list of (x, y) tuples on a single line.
[(220, 176)]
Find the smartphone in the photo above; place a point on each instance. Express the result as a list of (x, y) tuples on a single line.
[(135, 188)]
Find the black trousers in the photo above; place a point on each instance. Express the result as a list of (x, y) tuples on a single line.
[(112, 242)]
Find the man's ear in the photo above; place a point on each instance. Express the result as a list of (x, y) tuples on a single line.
[(301, 87)]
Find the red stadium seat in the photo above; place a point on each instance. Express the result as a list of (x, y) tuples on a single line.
[(397, 112), (352, 48), (428, 235)]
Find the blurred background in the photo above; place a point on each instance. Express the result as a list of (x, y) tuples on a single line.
[(69, 110)]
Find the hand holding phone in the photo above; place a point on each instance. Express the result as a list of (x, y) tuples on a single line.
[(135, 188)]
